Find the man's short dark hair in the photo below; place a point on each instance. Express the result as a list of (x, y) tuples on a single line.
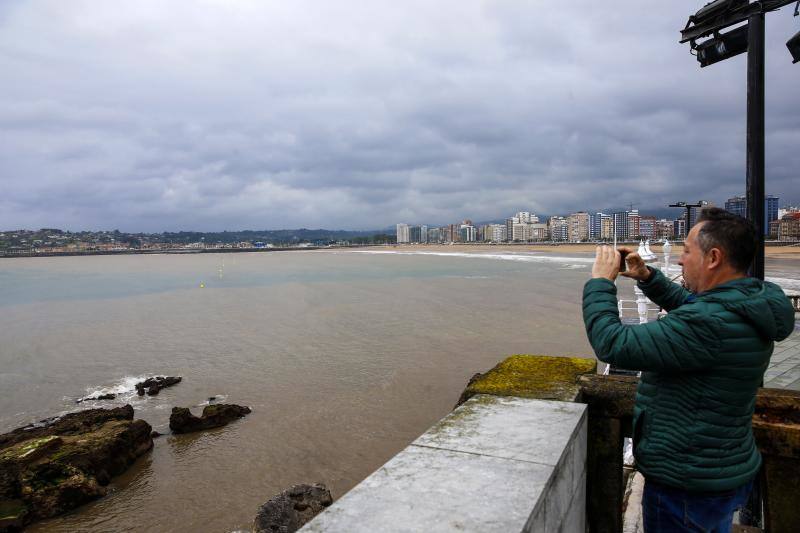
[(731, 233)]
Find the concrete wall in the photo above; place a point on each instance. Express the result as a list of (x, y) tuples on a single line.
[(493, 464)]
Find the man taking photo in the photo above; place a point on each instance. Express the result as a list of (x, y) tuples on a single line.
[(701, 367)]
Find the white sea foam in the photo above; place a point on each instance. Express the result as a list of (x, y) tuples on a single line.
[(124, 389), (787, 284), (521, 257)]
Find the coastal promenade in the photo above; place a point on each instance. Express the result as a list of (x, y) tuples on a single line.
[(784, 366)]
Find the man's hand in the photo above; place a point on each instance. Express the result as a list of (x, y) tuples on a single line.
[(637, 269), (606, 263)]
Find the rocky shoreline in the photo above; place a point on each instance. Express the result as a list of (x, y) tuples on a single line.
[(58, 464)]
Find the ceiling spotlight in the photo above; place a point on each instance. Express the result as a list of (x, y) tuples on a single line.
[(793, 45), (722, 46)]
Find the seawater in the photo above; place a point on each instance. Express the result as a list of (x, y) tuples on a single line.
[(344, 356)]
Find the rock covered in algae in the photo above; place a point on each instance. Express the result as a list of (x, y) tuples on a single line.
[(49, 468), (292, 509), (531, 376)]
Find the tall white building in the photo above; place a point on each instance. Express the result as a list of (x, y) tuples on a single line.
[(468, 233), (526, 217), (559, 228), (402, 234)]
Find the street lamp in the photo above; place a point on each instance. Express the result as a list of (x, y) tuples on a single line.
[(709, 21)]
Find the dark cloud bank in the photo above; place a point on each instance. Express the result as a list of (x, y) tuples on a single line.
[(152, 116)]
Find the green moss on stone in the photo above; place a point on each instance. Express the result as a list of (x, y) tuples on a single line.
[(533, 376), (28, 448)]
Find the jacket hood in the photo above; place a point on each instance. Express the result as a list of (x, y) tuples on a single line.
[(761, 303)]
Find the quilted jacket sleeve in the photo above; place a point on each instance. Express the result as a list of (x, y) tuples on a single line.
[(662, 291), (685, 339)]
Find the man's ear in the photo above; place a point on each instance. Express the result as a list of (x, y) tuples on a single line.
[(715, 257)]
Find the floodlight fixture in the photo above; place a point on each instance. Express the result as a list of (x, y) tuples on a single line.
[(723, 46), (708, 22), (793, 45)]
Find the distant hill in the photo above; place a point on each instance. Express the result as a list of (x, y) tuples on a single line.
[(267, 236)]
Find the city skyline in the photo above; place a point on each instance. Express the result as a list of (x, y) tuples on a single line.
[(599, 225)]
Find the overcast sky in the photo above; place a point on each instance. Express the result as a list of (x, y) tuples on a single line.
[(225, 114)]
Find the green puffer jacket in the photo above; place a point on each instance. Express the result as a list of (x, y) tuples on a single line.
[(701, 365)]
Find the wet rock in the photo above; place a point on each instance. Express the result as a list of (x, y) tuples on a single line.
[(153, 386), (183, 421), (155, 434), (212, 399), (109, 396), (292, 509), (49, 468), (71, 424)]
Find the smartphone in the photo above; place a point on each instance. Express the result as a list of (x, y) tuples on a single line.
[(622, 256)]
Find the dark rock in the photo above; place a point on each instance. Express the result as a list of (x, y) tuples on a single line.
[(292, 509), (212, 398), (49, 468), (109, 396), (183, 421), (155, 435), (154, 385), (71, 424)]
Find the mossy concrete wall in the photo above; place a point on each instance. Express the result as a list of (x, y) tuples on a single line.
[(542, 377)]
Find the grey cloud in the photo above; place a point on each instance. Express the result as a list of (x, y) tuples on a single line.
[(152, 116)]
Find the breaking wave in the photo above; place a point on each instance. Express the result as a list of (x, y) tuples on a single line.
[(524, 258)]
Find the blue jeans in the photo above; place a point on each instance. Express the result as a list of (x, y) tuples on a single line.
[(667, 509)]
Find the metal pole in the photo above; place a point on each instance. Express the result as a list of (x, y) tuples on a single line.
[(752, 513), (755, 137)]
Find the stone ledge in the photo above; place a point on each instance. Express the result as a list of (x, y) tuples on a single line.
[(494, 464)]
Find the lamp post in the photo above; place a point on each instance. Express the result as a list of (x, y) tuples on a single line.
[(709, 21), (688, 208)]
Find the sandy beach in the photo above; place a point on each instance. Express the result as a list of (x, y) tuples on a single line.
[(786, 252)]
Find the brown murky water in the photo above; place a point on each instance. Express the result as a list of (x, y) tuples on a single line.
[(344, 357)]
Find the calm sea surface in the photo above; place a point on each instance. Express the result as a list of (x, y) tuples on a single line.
[(344, 357)]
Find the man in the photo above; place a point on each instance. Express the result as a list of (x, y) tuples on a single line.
[(701, 366)]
